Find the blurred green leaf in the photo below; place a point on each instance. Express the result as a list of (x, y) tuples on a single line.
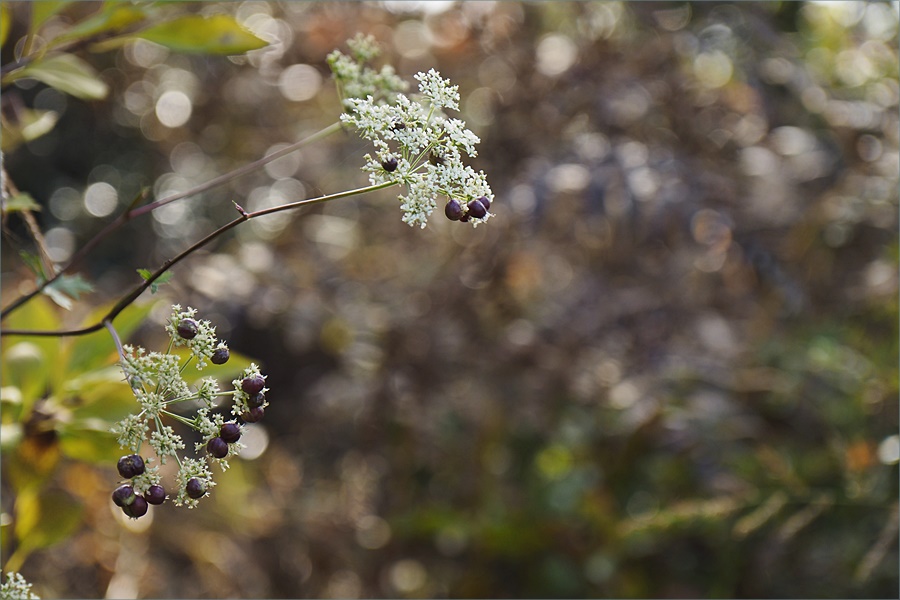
[(22, 202), (4, 23), (25, 366), (218, 34), (97, 349), (101, 394), (89, 441), (67, 73), (68, 288), (36, 314), (113, 16), (46, 518), (43, 10)]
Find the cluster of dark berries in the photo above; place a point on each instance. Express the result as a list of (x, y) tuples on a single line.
[(188, 329), (229, 433), (131, 503), (477, 208), (254, 385)]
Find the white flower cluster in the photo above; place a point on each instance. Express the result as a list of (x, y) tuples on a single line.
[(158, 385), (417, 146), (203, 344), (16, 588), (355, 79)]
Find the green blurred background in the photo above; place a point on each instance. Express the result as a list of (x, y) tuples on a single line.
[(667, 368)]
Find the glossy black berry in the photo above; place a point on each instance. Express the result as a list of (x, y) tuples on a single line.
[(155, 494), (254, 414), (256, 400), (130, 466), (453, 210), (390, 165), (485, 201), (195, 488), (253, 384), (476, 209), (136, 509), (230, 432), (220, 356), (188, 329), (123, 495), (217, 447)]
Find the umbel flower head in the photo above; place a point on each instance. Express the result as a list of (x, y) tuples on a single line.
[(417, 145), (160, 389)]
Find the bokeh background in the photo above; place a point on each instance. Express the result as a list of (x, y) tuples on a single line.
[(667, 368)]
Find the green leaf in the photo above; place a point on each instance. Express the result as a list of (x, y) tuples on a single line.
[(162, 279), (33, 262), (90, 441), (66, 289), (45, 518), (218, 34), (67, 73), (96, 350), (114, 16), (43, 10), (22, 201), (35, 314), (4, 23)]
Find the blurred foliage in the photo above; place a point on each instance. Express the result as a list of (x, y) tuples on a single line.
[(667, 368)]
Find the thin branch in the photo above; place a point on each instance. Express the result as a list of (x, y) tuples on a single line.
[(132, 212), (137, 291)]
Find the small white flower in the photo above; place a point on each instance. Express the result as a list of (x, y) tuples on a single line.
[(16, 588), (438, 90)]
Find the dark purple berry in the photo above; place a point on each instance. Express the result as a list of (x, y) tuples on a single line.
[(155, 494), (188, 329), (256, 400), (123, 495), (220, 356), (217, 447), (195, 488), (390, 165), (253, 384), (136, 509), (230, 432), (453, 210), (476, 209), (130, 466), (485, 201), (254, 414), (464, 218)]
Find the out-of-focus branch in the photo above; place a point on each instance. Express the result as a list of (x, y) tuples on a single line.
[(138, 290)]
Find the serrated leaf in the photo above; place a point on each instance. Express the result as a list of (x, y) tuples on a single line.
[(22, 201), (161, 280), (218, 34), (112, 17), (33, 262), (67, 73), (67, 288)]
